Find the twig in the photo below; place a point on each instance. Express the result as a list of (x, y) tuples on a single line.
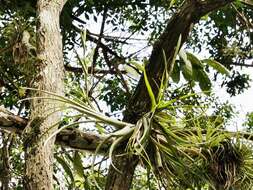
[(95, 56), (96, 71), (102, 45)]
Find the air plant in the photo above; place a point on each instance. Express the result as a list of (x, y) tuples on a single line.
[(178, 156)]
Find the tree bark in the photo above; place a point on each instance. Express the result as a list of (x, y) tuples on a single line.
[(39, 156), (71, 138), (180, 24), (5, 175), (121, 181)]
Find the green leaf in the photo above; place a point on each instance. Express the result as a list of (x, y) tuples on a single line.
[(205, 17), (83, 38), (186, 73), (177, 49), (248, 2), (195, 73), (187, 67), (21, 92), (149, 89), (172, 2), (204, 81), (78, 165), (66, 167), (137, 65), (100, 128), (194, 60), (217, 66), (175, 75)]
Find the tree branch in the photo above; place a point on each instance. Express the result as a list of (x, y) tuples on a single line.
[(77, 139), (102, 45), (180, 24), (99, 38), (80, 140), (71, 138), (95, 71), (139, 104)]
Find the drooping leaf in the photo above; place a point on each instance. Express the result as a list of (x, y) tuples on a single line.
[(175, 75), (186, 72), (194, 60), (187, 67), (204, 81), (217, 66), (78, 165), (66, 167)]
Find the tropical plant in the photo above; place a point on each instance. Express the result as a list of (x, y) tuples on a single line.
[(155, 121)]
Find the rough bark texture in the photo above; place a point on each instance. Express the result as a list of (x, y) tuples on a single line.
[(11, 121), (79, 140), (70, 138), (75, 138), (180, 24), (5, 174), (121, 181), (39, 157)]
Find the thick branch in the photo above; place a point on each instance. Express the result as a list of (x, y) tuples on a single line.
[(70, 138), (11, 122), (77, 139), (180, 24)]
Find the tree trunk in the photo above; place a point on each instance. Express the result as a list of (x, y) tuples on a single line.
[(180, 24), (121, 181), (39, 156), (5, 174)]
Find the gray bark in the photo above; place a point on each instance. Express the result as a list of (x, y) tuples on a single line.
[(39, 157), (70, 138), (5, 174)]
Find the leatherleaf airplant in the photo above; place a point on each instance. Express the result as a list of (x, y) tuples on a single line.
[(178, 155)]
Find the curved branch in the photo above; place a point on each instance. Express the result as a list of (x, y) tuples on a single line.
[(139, 104), (180, 24)]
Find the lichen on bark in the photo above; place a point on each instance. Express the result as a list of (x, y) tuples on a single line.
[(38, 155)]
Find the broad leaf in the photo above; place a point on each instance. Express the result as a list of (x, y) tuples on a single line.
[(188, 66), (175, 75), (78, 166), (66, 167), (204, 81), (217, 66), (194, 60), (187, 73)]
